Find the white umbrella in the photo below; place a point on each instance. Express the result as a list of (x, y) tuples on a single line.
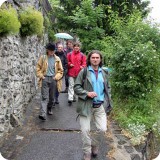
[(2, 1), (2, 158), (158, 158), (63, 36)]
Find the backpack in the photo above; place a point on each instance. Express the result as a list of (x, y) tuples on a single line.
[(71, 53), (108, 109)]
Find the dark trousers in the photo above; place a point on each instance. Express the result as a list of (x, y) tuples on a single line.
[(66, 78), (47, 92), (56, 94)]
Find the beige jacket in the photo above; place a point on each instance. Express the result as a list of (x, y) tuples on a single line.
[(41, 70)]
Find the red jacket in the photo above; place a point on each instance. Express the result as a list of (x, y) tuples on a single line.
[(78, 59)]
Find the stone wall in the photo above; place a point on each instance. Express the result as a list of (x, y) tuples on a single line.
[(18, 82)]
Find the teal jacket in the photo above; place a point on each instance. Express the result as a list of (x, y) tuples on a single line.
[(81, 89)]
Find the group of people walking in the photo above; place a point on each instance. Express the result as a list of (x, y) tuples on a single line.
[(85, 79)]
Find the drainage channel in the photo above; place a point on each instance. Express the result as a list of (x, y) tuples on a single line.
[(63, 130), (60, 130)]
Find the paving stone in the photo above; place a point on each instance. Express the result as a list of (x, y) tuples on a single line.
[(129, 149), (117, 131), (120, 147), (121, 142), (140, 147), (122, 137), (59, 137), (135, 157)]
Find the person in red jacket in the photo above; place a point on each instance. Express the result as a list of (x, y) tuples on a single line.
[(76, 61)]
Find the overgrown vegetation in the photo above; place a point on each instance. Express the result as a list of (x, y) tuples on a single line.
[(131, 47), (64, 9), (31, 22), (86, 18), (133, 53), (9, 23)]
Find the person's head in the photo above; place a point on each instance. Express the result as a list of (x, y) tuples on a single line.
[(69, 44), (50, 47), (76, 46), (94, 58), (60, 47)]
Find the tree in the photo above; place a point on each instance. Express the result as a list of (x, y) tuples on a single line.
[(62, 9), (123, 8), (135, 55), (85, 19)]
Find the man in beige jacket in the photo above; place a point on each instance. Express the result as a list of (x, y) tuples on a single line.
[(50, 72)]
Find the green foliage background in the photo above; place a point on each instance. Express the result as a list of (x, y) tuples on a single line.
[(31, 22), (130, 46), (9, 23), (133, 52)]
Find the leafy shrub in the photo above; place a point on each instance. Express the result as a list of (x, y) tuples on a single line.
[(139, 114), (135, 57), (135, 61), (88, 21), (138, 132), (9, 23), (31, 22)]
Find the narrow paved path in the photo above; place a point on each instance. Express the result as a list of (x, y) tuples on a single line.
[(59, 137)]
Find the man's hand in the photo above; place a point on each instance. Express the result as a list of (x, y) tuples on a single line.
[(71, 65), (92, 94), (81, 67), (43, 77)]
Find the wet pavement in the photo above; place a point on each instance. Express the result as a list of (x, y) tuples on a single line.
[(59, 137)]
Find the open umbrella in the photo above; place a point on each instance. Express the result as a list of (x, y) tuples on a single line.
[(63, 36)]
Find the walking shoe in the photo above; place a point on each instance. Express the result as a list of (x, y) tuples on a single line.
[(94, 151), (65, 91), (70, 102), (56, 101), (42, 117), (53, 105), (50, 112), (87, 156)]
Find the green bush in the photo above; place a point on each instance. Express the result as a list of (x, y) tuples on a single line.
[(135, 59), (9, 23), (133, 53), (137, 115), (31, 22), (88, 22)]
